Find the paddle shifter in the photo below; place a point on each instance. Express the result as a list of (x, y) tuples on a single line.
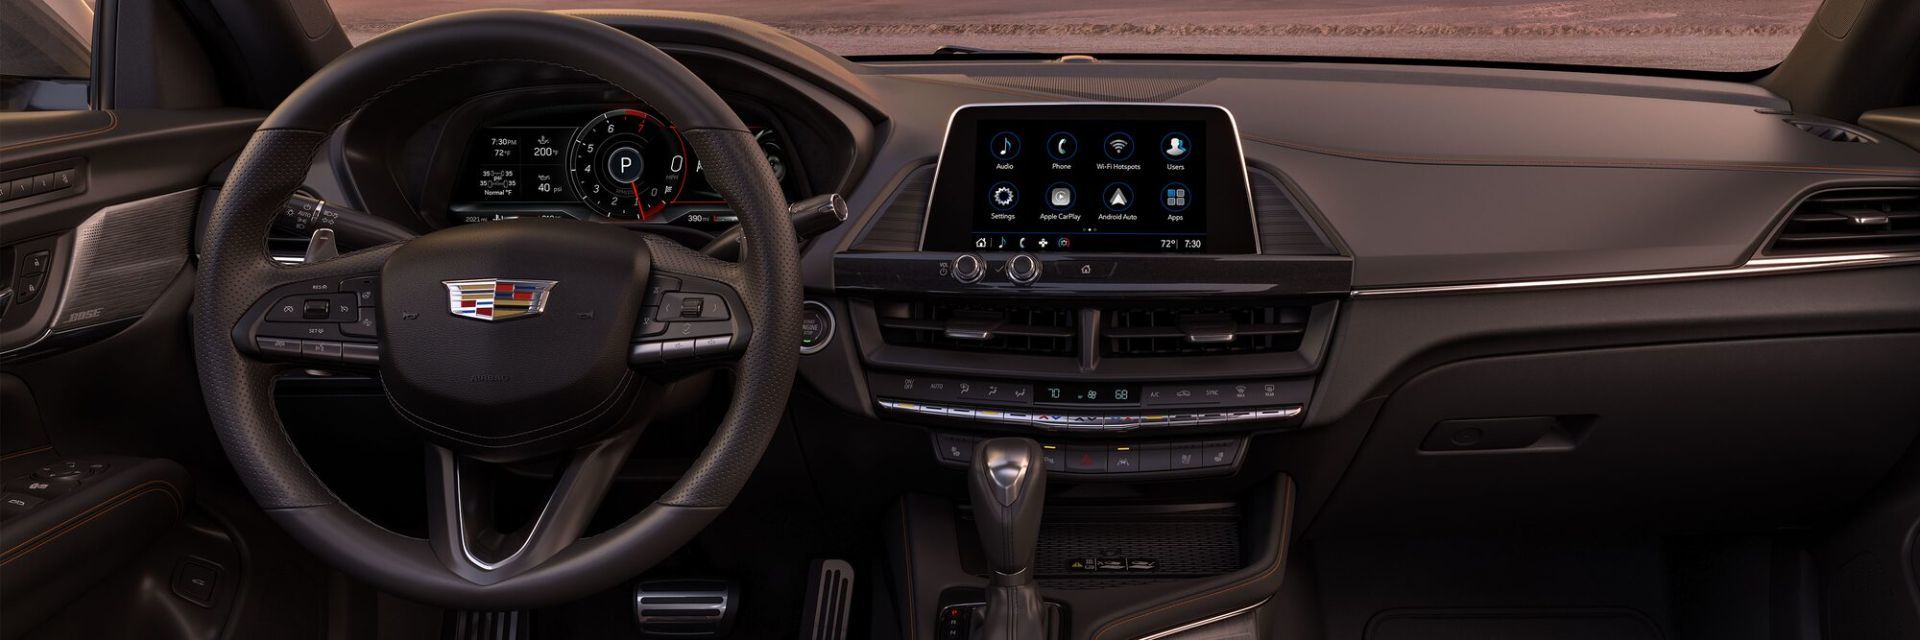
[(1009, 487)]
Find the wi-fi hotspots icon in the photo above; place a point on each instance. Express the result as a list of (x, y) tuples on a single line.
[(1119, 146)]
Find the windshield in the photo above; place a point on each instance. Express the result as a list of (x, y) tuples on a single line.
[(1702, 35)]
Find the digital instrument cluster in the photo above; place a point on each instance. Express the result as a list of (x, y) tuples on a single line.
[(621, 163), (1091, 178)]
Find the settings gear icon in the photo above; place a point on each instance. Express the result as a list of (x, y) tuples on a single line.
[(1002, 195)]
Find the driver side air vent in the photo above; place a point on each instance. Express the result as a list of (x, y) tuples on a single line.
[(1011, 329), (1851, 221)]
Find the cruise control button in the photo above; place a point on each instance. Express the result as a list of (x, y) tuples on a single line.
[(365, 327)]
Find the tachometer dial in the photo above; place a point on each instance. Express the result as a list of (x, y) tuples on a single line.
[(626, 163)]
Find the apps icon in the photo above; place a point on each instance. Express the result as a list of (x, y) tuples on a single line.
[(1060, 195), (1004, 146), (1119, 146), (1002, 195), (1176, 146), (1174, 197), (1062, 145), (1117, 197)]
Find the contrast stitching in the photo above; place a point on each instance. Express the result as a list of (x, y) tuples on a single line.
[(26, 452), (113, 122), (118, 500)]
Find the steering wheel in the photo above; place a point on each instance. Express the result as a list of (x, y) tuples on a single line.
[(548, 354)]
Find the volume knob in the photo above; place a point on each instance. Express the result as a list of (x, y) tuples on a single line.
[(969, 268), (1023, 269)]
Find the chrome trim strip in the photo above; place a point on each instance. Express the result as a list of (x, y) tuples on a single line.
[(1753, 267), (1239, 147), (1201, 623), (460, 537)]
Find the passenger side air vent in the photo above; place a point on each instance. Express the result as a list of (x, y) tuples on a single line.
[(1011, 329), (1833, 132), (1851, 221), (1187, 331)]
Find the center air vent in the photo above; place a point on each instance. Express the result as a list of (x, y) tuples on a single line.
[(1186, 331), (1851, 221), (1028, 330)]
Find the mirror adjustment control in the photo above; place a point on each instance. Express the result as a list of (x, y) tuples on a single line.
[(1023, 269), (969, 268)]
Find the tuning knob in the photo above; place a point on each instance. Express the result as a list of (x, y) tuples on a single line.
[(969, 268), (1023, 269)]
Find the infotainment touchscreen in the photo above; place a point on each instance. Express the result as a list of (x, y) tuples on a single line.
[(1090, 178)]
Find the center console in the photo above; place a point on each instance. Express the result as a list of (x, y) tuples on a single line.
[(1113, 280)]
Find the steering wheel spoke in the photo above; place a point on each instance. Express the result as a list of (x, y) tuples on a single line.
[(320, 314), (465, 532), (693, 317)]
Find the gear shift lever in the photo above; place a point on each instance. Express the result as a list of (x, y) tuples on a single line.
[(1009, 487)]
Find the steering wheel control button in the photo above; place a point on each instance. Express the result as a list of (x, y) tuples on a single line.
[(1023, 269), (658, 288), (359, 353), (644, 353), (366, 290), (692, 306), (968, 268), (333, 307), (367, 326), (676, 350), (712, 346), (326, 350), (283, 347), (816, 327)]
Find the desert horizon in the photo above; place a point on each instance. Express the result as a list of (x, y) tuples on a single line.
[(1714, 35)]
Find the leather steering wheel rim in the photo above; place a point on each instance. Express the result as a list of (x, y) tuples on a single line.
[(235, 269)]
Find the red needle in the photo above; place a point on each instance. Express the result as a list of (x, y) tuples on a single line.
[(636, 201)]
